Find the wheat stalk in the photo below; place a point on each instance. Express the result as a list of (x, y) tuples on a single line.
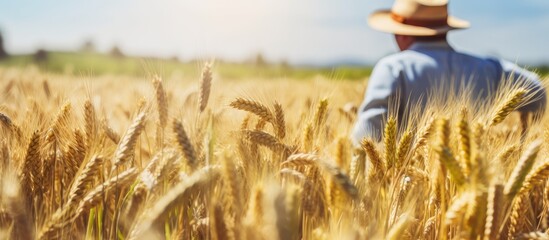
[(253, 107), (358, 164), (425, 133), (429, 228), (447, 160), (464, 142), (94, 196), (17, 210), (389, 138), (84, 180), (522, 169), (404, 146), (172, 198), (396, 231), (280, 125), (493, 215), (444, 132), (205, 86), (308, 138), (374, 157), (89, 201), (515, 220), (510, 104), (320, 114), (126, 147), (267, 140), (221, 230), (256, 210), (30, 171), (61, 121), (300, 159), (111, 134), (457, 209), (341, 179), (537, 235), (184, 144), (161, 101), (8, 123), (232, 197), (478, 134), (90, 120), (536, 178), (506, 154)]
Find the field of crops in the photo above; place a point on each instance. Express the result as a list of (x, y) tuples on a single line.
[(209, 158)]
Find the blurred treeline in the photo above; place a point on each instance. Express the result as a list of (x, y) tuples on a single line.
[(115, 63), (87, 61)]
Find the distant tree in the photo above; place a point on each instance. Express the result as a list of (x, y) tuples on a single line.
[(116, 52), (260, 60), (88, 46), (40, 55), (3, 53), (284, 64), (174, 59)]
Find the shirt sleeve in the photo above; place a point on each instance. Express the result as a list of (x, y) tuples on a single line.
[(537, 96), (382, 87)]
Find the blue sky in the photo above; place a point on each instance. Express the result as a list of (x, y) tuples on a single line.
[(302, 31)]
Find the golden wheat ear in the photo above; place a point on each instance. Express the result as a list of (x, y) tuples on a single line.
[(457, 209), (90, 122), (320, 114), (390, 142), (254, 107), (11, 126), (61, 122), (221, 229), (109, 132), (378, 168), (514, 100), (521, 170), (30, 171), (161, 101), (184, 144), (126, 147), (494, 212), (464, 139), (83, 181), (162, 207), (205, 86), (89, 201), (448, 160), (398, 229), (280, 125), (404, 146)]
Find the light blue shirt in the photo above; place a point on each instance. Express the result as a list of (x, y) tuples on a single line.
[(405, 79)]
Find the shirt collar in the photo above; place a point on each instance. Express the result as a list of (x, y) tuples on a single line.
[(430, 45)]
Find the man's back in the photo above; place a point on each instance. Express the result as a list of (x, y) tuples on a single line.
[(411, 77)]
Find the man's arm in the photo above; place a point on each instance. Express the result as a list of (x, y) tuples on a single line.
[(382, 87)]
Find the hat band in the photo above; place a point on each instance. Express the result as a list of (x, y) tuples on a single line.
[(420, 22)]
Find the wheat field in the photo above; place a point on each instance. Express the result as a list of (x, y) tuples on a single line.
[(85, 157)]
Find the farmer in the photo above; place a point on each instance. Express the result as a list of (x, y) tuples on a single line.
[(427, 62)]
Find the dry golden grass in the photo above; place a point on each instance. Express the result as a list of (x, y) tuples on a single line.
[(106, 158)]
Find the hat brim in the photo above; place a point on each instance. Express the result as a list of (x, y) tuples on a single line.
[(382, 21)]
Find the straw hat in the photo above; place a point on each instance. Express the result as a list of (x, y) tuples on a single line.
[(416, 18)]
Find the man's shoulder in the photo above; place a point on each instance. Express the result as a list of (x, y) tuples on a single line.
[(404, 58), (479, 57), (408, 57), (401, 56)]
